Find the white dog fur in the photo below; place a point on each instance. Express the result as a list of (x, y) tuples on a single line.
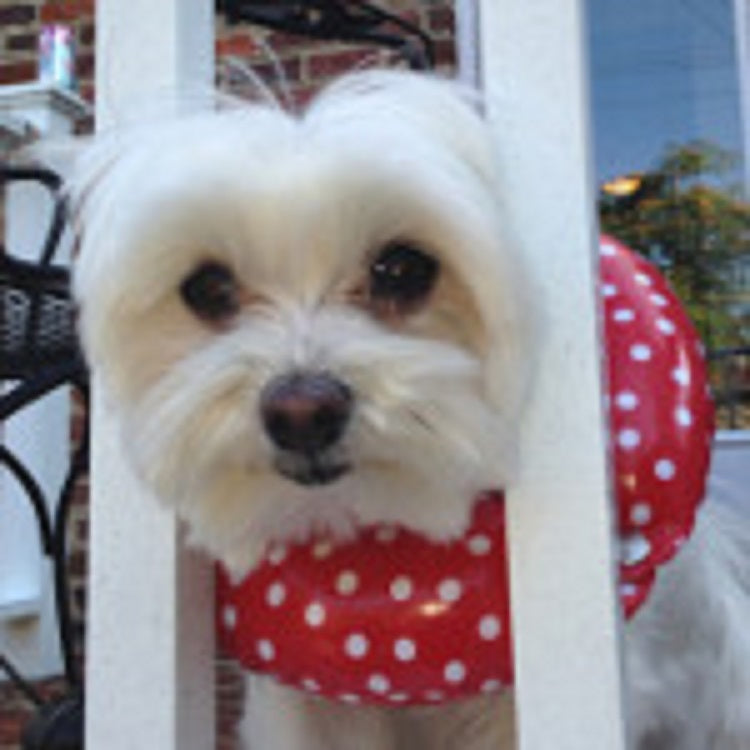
[(298, 207)]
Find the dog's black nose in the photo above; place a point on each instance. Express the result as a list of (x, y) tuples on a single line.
[(305, 412)]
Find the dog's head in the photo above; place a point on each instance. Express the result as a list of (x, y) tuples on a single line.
[(306, 323)]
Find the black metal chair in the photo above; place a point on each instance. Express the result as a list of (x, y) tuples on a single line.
[(39, 354)]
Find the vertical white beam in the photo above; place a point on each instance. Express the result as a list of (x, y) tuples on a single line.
[(565, 616), (150, 636)]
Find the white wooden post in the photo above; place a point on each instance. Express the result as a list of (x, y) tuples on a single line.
[(565, 617), (150, 639)]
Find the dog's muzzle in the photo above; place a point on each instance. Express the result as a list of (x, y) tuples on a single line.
[(305, 415)]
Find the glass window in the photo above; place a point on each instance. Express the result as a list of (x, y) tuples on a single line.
[(671, 162)]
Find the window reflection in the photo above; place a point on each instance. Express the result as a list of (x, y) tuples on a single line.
[(670, 161)]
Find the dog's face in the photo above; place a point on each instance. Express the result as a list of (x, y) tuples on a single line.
[(307, 323)]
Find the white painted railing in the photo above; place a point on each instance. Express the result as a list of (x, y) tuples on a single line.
[(150, 641), (565, 611)]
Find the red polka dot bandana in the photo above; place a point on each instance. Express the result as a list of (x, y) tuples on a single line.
[(394, 619)]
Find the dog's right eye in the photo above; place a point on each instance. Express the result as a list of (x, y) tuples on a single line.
[(211, 292), (402, 277)]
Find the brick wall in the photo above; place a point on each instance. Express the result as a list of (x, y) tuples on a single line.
[(20, 21), (306, 65)]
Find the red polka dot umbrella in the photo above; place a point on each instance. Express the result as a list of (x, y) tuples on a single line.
[(394, 619)]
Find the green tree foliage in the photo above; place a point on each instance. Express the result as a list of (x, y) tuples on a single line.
[(685, 216)]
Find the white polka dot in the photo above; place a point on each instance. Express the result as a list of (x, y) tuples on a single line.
[(659, 300), (276, 594), (398, 697), (683, 416), (634, 549), (489, 627), (265, 649), (640, 514), (623, 315), (640, 352), (401, 588), (229, 615), (357, 645), (322, 549), (315, 614), (628, 590), (666, 326), (626, 400), (405, 649), (450, 590), (277, 554), (379, 683), (609, 290), (434, 695), (628, 439), (491, 686), (311, 685), (665, 469), (642, 279), (454, 672), (347, 582), (607, 248), (350, 698), (479, 544), (681, 376), (386, 534)]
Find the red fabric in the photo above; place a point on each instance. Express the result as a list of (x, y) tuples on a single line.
[(395, 619), (661, 416)]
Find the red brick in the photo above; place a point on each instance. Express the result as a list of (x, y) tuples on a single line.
[(19, 72), (291, 69), (442, 19), (241, 45), (17, 15), (22, 42), (77, 564), (86, 92), (281, 41), (445, 52), (329, 64), (10, 727), (87, 35), (82, 530), (66, 11), (85, 66), (303, 94)]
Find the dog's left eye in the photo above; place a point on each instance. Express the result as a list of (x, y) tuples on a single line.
[(211, 292), (402, 277)]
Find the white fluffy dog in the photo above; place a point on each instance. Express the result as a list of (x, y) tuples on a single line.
[(307, 323)]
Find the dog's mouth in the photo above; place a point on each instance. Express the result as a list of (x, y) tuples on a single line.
[(310, 470)]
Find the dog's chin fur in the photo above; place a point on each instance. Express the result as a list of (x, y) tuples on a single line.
[(297, 206), (421, 445)]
